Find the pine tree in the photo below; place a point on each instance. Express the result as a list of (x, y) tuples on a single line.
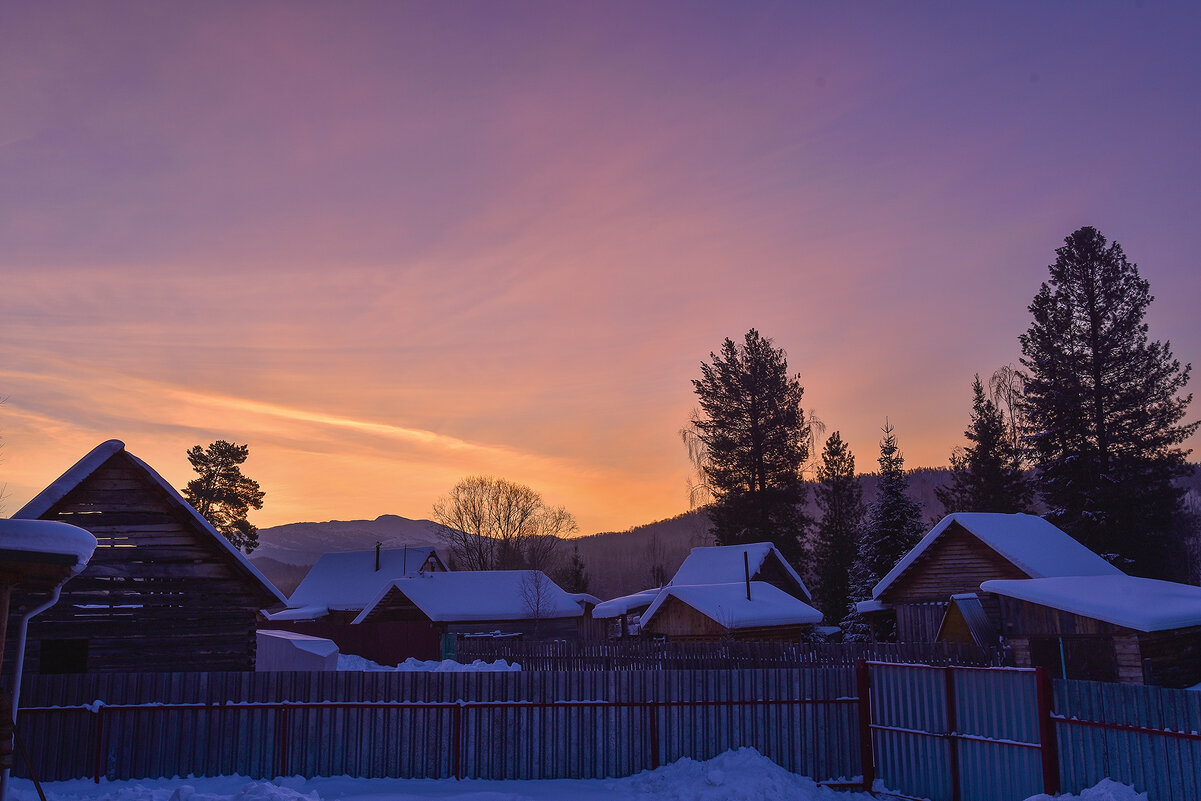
[(222, 494), (576, 577), (840, 499), (985, 476), (893, 527), (754, 439), (1105, 408)]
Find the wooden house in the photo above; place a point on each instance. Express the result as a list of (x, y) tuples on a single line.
[(1104, 628), (965, 549), (752, 610), (729, 591), (525, 602), (164, 591)]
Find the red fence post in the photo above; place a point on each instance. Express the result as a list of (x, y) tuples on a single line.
[(952, 728), (457, 723), (99, 738), (1046, 731), (863, 678), (281, 742), (654, 736)]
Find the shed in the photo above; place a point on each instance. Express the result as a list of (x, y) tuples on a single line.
[(729, 564), (164, 591), (963, 550), (1104, 628), (720, 611)]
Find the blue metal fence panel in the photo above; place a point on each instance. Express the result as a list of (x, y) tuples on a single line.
[(909, 724), (996, 716)]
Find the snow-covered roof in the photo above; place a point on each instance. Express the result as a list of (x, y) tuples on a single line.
[(727, 605), (1137, 603), (471, 595), (305, 642), (48, 537), (58, 489), (617, 607), (1033, 545), (584, 598), (310, 612), (348, 580), (723, 564)]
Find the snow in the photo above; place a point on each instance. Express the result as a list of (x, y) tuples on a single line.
[(727, 604), (1032, 544), (476, 595), (723, 564), (59, 488), (48, 537), (617, 607), (349, 580), (1136, 603), (410, 665), (741, 775)]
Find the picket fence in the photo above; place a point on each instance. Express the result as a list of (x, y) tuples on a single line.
[(949, 733), (646, 654)]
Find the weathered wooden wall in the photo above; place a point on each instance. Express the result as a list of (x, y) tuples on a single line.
[(957, 562), (158, 593)]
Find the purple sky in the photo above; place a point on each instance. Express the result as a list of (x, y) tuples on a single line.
[(392, 244)]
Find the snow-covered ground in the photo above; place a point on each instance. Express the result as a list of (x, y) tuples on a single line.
[(742, 775)]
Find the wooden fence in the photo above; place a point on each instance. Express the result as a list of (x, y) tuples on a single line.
[(470, 724), (647, 654)]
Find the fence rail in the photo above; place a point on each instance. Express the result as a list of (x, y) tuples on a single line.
[(646, 654)]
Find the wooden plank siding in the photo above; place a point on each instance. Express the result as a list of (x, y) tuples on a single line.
[(956, 562), (158, 594)]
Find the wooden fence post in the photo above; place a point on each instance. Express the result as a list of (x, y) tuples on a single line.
[(863, 679), (1049, 748)]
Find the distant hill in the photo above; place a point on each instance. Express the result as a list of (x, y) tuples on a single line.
[(618, 562)]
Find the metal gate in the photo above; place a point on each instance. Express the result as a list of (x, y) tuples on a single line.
[(959, 733)]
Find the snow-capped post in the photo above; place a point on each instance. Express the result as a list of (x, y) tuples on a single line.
[(746, 569)]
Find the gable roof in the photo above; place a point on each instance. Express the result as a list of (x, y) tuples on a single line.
[(348, 580), (727, 605), (470, 595), (58, 489), (625, 604), (1034, 546), (1136, 603), (723, 564)]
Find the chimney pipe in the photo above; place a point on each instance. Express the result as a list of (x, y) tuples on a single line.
[(377, 547), (746, 568)]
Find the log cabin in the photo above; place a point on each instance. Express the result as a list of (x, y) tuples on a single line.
[(1103, 628), (164, 591), (965, 549)]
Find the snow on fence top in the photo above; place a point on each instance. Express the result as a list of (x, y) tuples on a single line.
[(1136, 603), (477, 595), (1032, 544), (727, 605), (48, 537)]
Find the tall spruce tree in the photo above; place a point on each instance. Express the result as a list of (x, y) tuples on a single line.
[(893, 527), (985, 476), (840, 499), (1105, 407), (754, 440)]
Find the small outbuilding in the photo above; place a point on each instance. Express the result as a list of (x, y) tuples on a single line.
[(744, 611), (1104, 628), (163, 591), (965, 549)]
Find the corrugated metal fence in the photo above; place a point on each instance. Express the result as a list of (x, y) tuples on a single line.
[(942, 733), (470, 724)]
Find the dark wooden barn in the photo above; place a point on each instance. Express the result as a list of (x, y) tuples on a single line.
[(1104, 628), (962, 551), (164, 591)]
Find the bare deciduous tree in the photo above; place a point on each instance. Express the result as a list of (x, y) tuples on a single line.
[(500, 525)]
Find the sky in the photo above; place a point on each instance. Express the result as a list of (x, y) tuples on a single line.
[(392, 244)]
